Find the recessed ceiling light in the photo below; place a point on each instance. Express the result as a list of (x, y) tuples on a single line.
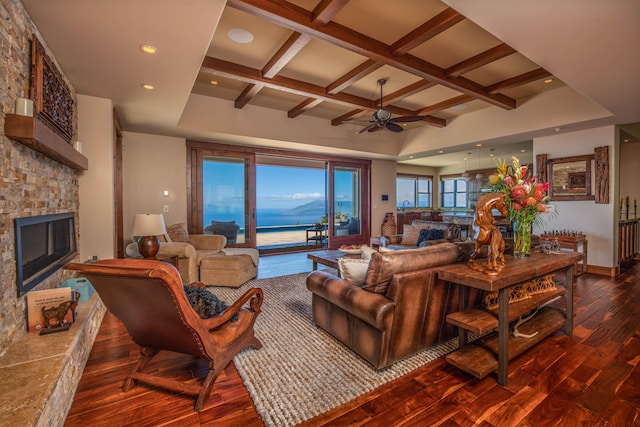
[(440, 151), (147, 48), (240, 35), (523, 150), (549, 80), (491, 155), (478, 145), (214, 82), (148, 86), (411, 157)]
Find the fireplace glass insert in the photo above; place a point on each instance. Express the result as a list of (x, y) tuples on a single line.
[(43, 245)]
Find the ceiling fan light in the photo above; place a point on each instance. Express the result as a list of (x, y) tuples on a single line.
[(383, 115)]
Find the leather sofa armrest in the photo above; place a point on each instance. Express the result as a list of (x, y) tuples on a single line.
[(208, 241), (370, 307), (390, 240)]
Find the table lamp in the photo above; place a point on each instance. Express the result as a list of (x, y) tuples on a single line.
[(146, 228)]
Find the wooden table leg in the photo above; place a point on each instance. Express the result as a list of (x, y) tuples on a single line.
[(568, 323), (462, 304), (503, 336)]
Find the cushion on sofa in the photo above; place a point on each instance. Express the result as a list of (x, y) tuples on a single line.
[(366, 252), (353, 270), (384, 265), (178, 233), (411, 234), (429, 234)]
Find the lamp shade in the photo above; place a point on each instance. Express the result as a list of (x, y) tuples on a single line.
[(148, 225)]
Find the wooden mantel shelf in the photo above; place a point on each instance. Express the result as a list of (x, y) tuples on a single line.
[(34, 133)]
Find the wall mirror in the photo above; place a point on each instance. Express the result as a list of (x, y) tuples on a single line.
[(571, 178)]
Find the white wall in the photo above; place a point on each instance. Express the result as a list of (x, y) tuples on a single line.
[(150, 165), (383, 182), (95, 132), (597, 221)]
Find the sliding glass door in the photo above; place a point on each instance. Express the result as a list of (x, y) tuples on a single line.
[(222, 196), (349, 203), (226, 202)]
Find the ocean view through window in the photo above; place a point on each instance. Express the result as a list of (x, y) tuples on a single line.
[(287, 199)]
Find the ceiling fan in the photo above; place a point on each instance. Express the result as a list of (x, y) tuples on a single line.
[(382, 118)]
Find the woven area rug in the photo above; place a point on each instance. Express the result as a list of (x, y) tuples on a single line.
[(302, 371)]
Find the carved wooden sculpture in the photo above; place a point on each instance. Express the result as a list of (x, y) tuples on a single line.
[(486, 233), (602, 174)]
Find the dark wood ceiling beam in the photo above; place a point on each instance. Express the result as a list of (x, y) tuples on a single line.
[(443, 105), (520, 80), (406, 91), (251, 75), (326, 10), (305, 105), (297, 87), (353, 76), (286, 53), (249, 92), (299, 19), (444, 20), (477, 61), (347, 116)]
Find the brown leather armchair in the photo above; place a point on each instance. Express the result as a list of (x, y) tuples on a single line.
[(401, 308), (149, 298)]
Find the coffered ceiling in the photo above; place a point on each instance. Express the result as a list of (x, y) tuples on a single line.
[(324, 59), (314, 65)]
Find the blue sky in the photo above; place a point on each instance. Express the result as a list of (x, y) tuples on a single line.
[(278, 186)]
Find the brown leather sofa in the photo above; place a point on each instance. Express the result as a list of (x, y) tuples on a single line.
[(410, 239), (401, 308)]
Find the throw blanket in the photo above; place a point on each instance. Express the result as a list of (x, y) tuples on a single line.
[(253, 253)]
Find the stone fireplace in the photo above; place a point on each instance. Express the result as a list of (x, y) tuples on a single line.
[(39, 373)]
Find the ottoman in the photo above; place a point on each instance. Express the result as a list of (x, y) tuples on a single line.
[(223, 269)]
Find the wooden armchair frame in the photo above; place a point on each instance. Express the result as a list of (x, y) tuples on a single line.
[(148, 297)]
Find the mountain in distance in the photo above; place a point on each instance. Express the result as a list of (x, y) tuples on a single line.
[(316, 207)]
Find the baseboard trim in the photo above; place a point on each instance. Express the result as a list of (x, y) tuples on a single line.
[(603, 271)]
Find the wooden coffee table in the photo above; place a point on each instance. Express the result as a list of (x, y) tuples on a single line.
[(328, 257)]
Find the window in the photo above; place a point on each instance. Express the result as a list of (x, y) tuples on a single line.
[(453, 193), (414, 191)]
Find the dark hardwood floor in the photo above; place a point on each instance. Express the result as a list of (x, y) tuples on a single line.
[(590, 379)]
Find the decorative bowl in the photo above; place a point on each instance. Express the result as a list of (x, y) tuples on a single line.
[(349, 251)]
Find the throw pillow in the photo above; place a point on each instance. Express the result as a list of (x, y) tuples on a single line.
[(452, 232), (353, 270), (385, 264), (178, 233), (205, 303), (411, 234), (366, 252), (429, 234)]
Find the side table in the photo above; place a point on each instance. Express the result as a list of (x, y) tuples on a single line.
[(480, 360), (573, 243), (317, 235)]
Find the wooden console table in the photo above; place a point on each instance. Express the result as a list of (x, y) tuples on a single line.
[(496, 350)]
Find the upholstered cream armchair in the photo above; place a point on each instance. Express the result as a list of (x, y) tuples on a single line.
[(190, 254), (189, 248)]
